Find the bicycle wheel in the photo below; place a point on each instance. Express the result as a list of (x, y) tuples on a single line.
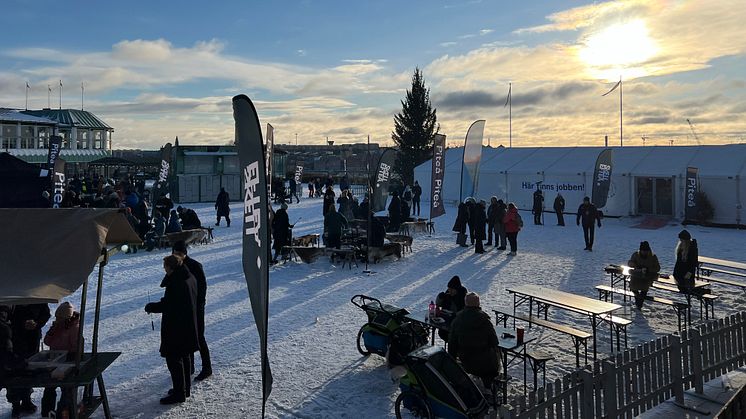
[(412, 405)]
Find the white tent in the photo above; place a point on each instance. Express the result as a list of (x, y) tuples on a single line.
[(645, 180)]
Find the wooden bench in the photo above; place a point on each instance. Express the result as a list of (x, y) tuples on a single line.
[(578, 336), (708, 270), (706, 301), (537, 360), (604, 291), (724, 281)]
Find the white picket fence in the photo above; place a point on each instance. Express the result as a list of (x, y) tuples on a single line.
[(640, 378)]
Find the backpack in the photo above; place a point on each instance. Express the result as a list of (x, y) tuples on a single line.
[(519, 220)]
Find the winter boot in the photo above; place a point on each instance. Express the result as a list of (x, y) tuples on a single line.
[(173, 399), (204, 374)]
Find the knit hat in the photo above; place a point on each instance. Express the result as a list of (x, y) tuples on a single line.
[(684, 235), (64, 311), (645, 246), (586, 199), (455, 282), (471, 299), (180, 246)]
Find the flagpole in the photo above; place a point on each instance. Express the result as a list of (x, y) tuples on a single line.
[(621, 138), (510, 114), (82, 89), (27, 87), (49, 97), (370, 213), (60, 94)]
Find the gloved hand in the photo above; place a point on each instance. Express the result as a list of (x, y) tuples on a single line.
[(149, 308)]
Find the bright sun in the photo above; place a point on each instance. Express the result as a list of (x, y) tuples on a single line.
[(618, 49)]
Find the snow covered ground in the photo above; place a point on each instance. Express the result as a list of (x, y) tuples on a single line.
[(318, 373)]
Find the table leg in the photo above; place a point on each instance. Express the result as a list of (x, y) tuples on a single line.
[(104, 399), (514, 302), (593, 326), (611, 284)]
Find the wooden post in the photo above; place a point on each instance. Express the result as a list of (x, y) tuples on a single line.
[(587, 409), (610, 389), (677, 377)]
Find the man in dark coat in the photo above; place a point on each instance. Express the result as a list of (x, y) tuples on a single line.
[(164, 205), (196, 269), (377, 232), (416, 196), (471, 222), (280, 230), (328, 201), (685, 268), (588, 214), (293, 191), (480, 221), (559, 208), (223, 207), (334, 222), (538, 206), (492, 221), (502, 210), (452, 298), (460, 225), (472, 339), (189, 219), (179, 335), (394, 212), (26, 323)]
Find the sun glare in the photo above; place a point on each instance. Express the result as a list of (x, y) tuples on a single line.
[(618, 49)]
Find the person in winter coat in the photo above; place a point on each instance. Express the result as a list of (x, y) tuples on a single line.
[(164, 205), (179, 334), (9, 361), (492, 221), (559, 208), (293, 191), (394, 212), (452, 298), (646, 269), (328, 201), (416, 195), (26, 324), (280, 230), (406, 198), (223, 207), (480, 221), (589, 215), (460, 225), (317, 187), (377, 232), (472, 339), (195, 268), (344, 203), (405, 211), (154, 235), (687, 256), (334, 223), (135, 223), (189, 218), (142, 212), (310, 189), (363, 208), (513, 224), (502, 209), (173, 225), (538, 206), (471, 222), (62, 336)]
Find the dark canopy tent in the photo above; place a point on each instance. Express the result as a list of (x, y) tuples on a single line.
[(20, 184), (47, 256)]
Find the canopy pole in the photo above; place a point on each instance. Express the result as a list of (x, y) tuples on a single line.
[(96, 314), (81, 345)]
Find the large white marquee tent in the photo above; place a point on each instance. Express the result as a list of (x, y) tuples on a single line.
[(645, 180)]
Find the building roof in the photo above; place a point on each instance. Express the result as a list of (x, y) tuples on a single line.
[(39, 155), (14, 116), (71, 118)]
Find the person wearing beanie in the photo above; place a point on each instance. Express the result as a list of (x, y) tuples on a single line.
[(452, 298), (195, 268), (472, 339), (492, 221), (645, 270), (223, 207), (280, 230), (480, 222), (687, 255), (590, 217), (62, 336)]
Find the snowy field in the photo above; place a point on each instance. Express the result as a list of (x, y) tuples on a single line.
[(318, 373)]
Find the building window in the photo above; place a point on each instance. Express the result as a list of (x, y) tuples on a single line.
[(27, 137), (43, 137), (65, 139), (9, 136), (82, 140), (97, 140)]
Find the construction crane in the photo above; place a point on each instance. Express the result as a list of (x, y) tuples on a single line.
[(691, 126), (644, 138)]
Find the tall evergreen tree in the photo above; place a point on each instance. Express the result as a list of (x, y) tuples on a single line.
[(414, 129)]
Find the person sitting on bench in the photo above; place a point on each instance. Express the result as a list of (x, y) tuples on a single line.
[(452, 300), (646, 268), (473, 341)]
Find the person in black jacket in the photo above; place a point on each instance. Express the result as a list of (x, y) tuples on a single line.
[(502, 209), (559, 208), (195, 268), (471, 222), (492, 221), (377, 232), (480, 221), (223, 207), (452, 299), (179, 335), (588, 214), (26, 324), (328, 201), (395, 212), (687, 256), (538, 206), (334, 223), (472, 339), (280, 230), (416, 194), (189, 219), (460, 225)]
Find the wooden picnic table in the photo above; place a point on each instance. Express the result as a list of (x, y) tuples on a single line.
[(724, 263), (621, 273), (547, 297)]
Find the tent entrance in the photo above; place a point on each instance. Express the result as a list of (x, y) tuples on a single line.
[(654, 196)]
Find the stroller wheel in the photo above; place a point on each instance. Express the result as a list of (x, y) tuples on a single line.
[(414, 406), (361, 344)]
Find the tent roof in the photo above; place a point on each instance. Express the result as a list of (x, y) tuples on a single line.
[(111, 161), (53, 251)]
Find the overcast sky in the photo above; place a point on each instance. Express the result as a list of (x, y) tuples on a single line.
[(157, 70)]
